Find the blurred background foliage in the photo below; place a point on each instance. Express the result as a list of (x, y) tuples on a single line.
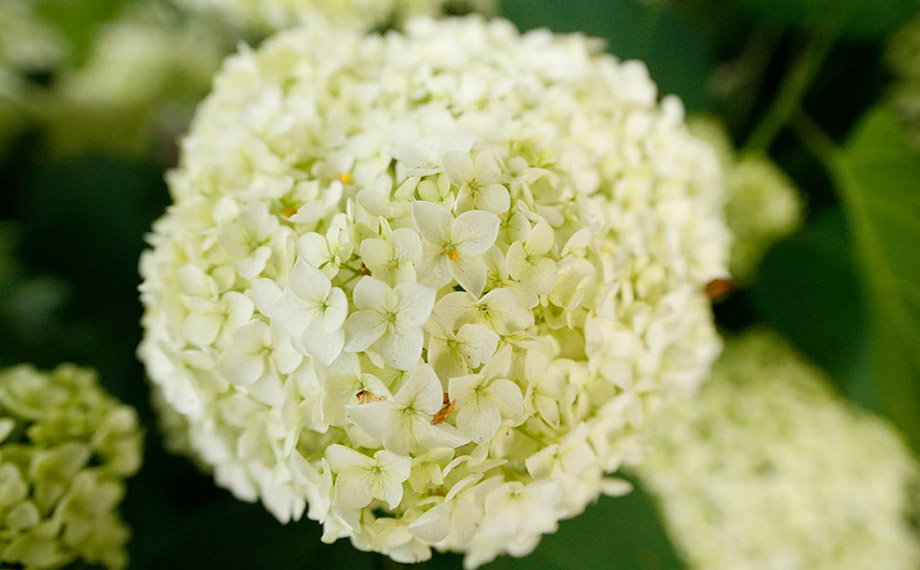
[(845, 288)]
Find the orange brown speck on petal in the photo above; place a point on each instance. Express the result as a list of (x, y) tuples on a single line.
[(444, 412), (365, 397)]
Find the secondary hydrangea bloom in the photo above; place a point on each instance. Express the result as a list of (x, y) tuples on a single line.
[(147, 69), (66, 448), (431, 284), (770, 469), (272, 15), (762, 204), (904, 58)]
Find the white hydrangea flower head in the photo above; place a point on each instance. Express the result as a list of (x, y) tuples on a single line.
[(770, 469), (458, 266), (147, 68), (66, 448), (904, 59), (762, 204), (265, 16)]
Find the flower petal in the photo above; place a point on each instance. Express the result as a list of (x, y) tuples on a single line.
[(266, 295), (540, 276), (478, 420), (323, 344), (478, 343), (470, 273), (313, 248), (201, 329), (474, 232), (507, 396), (434, 525), (415, 304), (540, 240), (433, 222), (239, 367), (308, 282), (397, 467), (336, 309), (433, 269), (457, 308), (371, 293), (422, 391), (492, 198), (341, 457), (401, 348), (377, 419), (458, 166), (406, 245), (362, 329), (376, 254), (488, 169), (441, 435), (354, 488)]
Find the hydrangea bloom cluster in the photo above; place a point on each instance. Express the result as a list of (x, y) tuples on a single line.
[(904, 58), (431, 284), (769, 469), (147, 67), (272, 15), (65, 449), (762, 203)]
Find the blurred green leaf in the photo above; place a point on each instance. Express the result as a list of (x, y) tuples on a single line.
[(808, 290), (865, 19), (877, 175)]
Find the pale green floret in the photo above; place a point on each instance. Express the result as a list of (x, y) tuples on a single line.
[(399, 268), (66, 448), (904, 59), (770, 469), (762, 203)]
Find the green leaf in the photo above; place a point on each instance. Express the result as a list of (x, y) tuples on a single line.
[(877, 176), (808, 289), (865, 19)]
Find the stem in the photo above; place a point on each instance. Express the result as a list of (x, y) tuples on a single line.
[(817, 141), (749, 67), (793, 90)]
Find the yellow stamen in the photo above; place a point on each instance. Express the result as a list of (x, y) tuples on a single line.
[(345, 178)]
